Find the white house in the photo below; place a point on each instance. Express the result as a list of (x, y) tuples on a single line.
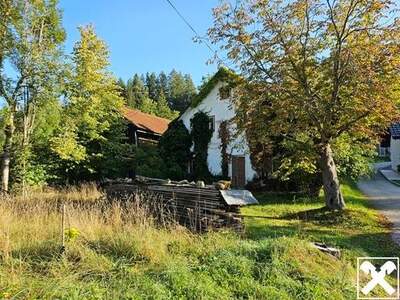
[(215, 100), (395, 145)]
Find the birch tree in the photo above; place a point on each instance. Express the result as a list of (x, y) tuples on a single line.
[(33, 36)]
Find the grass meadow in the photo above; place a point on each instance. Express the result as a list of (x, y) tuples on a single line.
[(120, 250)]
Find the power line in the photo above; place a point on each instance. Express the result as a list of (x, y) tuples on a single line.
[(192, 28)]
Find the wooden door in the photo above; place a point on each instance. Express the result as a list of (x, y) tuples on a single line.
[(238, 172)]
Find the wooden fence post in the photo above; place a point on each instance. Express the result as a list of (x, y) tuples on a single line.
[(63, 227)]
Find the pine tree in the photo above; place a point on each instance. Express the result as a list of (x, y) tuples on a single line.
[(163, 110), (159, 94), (123, 88), (148, 106), (181, 90), (162, 81), (136, 92), (190, 89), (152, 86), (175, 89)]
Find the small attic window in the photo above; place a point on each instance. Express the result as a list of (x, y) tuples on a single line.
[(224, 92)]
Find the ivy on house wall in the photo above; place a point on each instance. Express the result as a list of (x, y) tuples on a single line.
[(224, 135), (224, 75), (201, 135)]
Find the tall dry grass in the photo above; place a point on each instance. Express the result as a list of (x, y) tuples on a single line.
[(82, 192), (131, 249), (31, 225)]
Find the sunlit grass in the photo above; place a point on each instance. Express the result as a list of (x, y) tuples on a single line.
[(359, 228), (122, 252)]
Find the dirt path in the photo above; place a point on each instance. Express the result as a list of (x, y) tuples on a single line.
[(385, 196)]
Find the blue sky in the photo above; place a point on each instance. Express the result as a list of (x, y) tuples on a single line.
[(145, 35)]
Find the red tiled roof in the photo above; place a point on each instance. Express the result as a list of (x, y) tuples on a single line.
[(145, 121)]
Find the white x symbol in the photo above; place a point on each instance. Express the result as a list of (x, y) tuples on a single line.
[(378, 277)]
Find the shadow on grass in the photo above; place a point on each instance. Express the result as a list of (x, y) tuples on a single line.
[(373, 244), (44, 251), (39, 256), (348, 218), (272, 198), (117, 250), (349, 189)]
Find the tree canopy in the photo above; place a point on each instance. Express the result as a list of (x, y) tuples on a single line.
[(61, 121), (31, 37), (92, 110), (313, 72)]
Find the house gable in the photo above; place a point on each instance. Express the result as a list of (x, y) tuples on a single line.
[(223, 75), (220, 109)]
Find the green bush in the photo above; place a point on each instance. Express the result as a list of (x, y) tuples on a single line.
[(174, 148), (149, 163), (30, 169)]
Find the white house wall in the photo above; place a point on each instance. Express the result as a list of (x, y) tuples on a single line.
[(395, 153), (222, 110)]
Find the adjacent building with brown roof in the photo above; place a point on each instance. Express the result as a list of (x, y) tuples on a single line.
[(144, 127)]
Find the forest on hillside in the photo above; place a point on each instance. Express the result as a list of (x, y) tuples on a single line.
[(159, 94)]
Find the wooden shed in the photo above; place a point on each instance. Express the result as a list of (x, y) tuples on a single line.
[(143, 127)]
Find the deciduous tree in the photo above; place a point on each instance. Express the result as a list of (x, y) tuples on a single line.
[(93, 105), (33, 36), (314, 71)]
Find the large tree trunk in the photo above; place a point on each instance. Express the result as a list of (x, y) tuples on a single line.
[(5, 163), (333, 195)]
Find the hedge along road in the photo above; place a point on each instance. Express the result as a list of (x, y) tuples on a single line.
[(385, 197)]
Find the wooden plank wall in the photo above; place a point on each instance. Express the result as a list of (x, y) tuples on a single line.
[(199, 209)]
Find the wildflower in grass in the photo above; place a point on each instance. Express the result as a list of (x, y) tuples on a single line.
[(71, 234)]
